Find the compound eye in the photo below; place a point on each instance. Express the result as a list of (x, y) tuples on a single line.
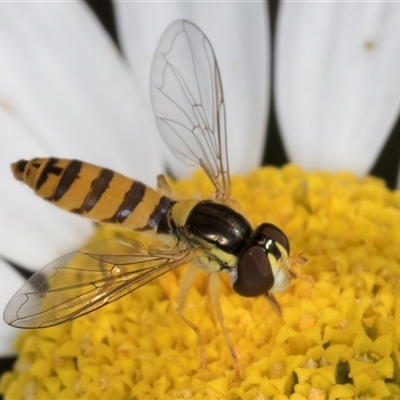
[(273, 232), (254, 273)]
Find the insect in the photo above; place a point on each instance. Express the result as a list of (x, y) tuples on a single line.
[(188, 103)]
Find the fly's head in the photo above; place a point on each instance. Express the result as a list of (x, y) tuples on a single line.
[(264, 265)]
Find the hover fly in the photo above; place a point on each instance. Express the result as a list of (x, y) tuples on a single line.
[(188, 103)]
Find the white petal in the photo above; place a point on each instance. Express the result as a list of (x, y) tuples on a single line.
[(65, 92), (239, 34), (337, 81), (9, 284), (63, 77), (33, 232)]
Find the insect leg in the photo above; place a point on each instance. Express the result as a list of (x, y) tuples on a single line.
[(183, 291), (274, 304), (213, 284)]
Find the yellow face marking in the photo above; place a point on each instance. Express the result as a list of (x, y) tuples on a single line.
[(282, 279)]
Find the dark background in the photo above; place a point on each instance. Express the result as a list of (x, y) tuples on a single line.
[(386, 166)]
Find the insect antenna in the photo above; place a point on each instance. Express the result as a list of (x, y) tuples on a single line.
[(299, 260)]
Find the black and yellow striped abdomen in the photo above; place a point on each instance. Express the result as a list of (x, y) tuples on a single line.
[(94, 192)]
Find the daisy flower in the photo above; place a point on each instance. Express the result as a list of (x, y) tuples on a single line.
[(67, 91)]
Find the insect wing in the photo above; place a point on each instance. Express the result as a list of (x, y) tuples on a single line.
[(86, 280), (187, 98)]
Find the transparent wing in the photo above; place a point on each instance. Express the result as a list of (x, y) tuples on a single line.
[(86, 280), (187, 98)]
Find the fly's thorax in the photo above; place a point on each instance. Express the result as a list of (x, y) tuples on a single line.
[(217, 226), (215, 230)]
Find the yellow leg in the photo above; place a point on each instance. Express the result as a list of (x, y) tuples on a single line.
[(214, 281), (183, 292), (274, 304)]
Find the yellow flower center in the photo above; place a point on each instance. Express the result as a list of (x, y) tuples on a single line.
[(338, 337)]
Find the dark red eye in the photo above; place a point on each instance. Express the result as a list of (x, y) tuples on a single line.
[(255, 276), (273, 232)]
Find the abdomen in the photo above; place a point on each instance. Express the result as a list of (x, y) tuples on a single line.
[(94, 192)]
